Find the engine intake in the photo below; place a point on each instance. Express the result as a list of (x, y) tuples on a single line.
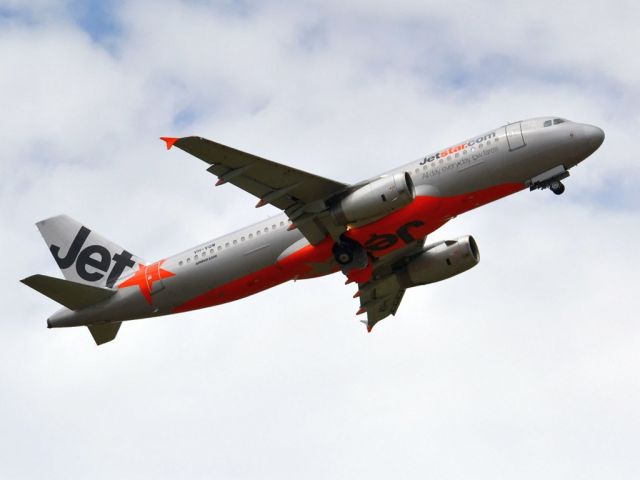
[(440, 261), (379, 197)]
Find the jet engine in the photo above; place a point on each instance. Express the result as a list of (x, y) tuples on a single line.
[(379, 197), (440, 261)]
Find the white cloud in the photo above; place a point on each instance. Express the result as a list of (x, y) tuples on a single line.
[(522, 367)]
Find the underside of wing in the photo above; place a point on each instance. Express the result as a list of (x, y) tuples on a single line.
[(300, 194), (382, 294), (379, 305)]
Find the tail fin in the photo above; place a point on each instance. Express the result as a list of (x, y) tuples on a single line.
[(83, 255)]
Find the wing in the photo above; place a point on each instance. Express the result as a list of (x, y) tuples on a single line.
[(300, 194), (381, 296), (380, 303)]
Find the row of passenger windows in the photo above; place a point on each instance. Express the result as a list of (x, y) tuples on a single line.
[(457, 154), (233, 243)]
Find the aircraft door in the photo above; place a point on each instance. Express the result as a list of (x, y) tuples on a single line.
[(515, 139), (156, 276), (155, 279)]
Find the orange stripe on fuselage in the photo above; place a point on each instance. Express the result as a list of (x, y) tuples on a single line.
[(418, 219), (421, 217), (297, 265)]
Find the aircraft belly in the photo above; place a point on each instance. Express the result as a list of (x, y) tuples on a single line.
[(422, 217), (237, 272), (242, 270)]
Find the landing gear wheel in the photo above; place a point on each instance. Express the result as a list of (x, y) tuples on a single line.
[(557, 187), (343, 254)]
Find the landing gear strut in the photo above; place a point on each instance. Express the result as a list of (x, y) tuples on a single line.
[(557, 187)]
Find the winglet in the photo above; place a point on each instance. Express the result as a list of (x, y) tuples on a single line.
[(170, 141)]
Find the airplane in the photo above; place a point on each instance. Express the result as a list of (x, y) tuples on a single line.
[(374, 232)]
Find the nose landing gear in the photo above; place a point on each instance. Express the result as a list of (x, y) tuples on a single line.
[(557, 187), (551, 179)]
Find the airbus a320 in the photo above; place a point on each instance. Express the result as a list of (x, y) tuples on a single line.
[(373, 232)]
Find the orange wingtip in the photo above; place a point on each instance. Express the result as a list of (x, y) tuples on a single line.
[(170, 141)]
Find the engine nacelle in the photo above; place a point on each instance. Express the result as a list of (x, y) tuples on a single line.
[(440, 261), (379, 197)]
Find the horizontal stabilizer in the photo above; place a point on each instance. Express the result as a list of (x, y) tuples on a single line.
[(104, 333), (72, 295)]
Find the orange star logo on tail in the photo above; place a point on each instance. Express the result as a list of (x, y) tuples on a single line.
[(145, 277)]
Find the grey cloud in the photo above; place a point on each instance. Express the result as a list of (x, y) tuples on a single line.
[(523, 367)]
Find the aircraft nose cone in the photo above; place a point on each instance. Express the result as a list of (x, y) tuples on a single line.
[(595, 136)]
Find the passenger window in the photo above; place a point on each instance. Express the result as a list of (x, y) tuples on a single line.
[(235, 242), (196, 257), (273, 227), (189, 260), (250, 236), (227, 245), (180, 263), (266, 229), (242, 239), (219, 247), (258, 232), (547, 123), (282, 224)]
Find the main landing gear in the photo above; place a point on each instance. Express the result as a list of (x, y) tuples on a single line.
[(350, 255), (353, 260)]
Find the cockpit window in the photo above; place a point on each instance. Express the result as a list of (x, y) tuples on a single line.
[(556, 121), (547, 123)]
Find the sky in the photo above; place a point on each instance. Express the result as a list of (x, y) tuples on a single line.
[(523, 367)]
